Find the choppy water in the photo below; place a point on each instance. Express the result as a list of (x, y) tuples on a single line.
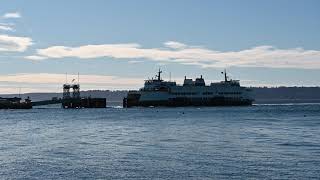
[(259, 142)]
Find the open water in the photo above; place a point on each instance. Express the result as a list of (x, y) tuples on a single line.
[(258, 142)]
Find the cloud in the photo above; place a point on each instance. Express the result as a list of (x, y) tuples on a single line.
[(175, 45), (11, 15), (46, 82), (5, 28), (60, 78), (35, 58), (134, 62), (14, 43), (175, 52)]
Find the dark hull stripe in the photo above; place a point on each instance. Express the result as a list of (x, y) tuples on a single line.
[(188, 102)]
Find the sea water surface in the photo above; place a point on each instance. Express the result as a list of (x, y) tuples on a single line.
[(258, 142)]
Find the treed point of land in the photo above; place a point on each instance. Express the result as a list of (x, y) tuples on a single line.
[(263, 95)]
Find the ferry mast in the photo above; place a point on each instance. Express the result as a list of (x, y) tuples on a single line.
[(159, 75)]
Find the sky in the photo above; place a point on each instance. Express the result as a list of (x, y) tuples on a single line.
[(116, 44)]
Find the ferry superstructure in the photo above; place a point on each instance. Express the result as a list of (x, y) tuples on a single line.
[(157, 92)]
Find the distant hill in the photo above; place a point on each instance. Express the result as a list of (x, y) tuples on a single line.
[(262, 95), (287, 95)]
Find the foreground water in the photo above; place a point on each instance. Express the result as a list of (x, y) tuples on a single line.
[(258, 142)]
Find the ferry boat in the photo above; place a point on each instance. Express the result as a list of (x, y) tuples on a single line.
[(157, 92)]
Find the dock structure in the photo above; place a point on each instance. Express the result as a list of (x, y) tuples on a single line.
[(15, 103), (54, 100), (76, 101)]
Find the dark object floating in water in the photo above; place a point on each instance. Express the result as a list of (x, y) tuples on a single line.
[(15, 103)]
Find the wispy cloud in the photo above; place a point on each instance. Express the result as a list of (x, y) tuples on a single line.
[(11, 15), (260, 56), (10, 43), (35, 58), (46, 82), (6, 27), (14, 43), (175, 45)]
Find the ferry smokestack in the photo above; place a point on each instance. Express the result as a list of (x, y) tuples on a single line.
[(225, 75)]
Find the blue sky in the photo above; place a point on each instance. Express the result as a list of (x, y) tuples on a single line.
[(116, 44)]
